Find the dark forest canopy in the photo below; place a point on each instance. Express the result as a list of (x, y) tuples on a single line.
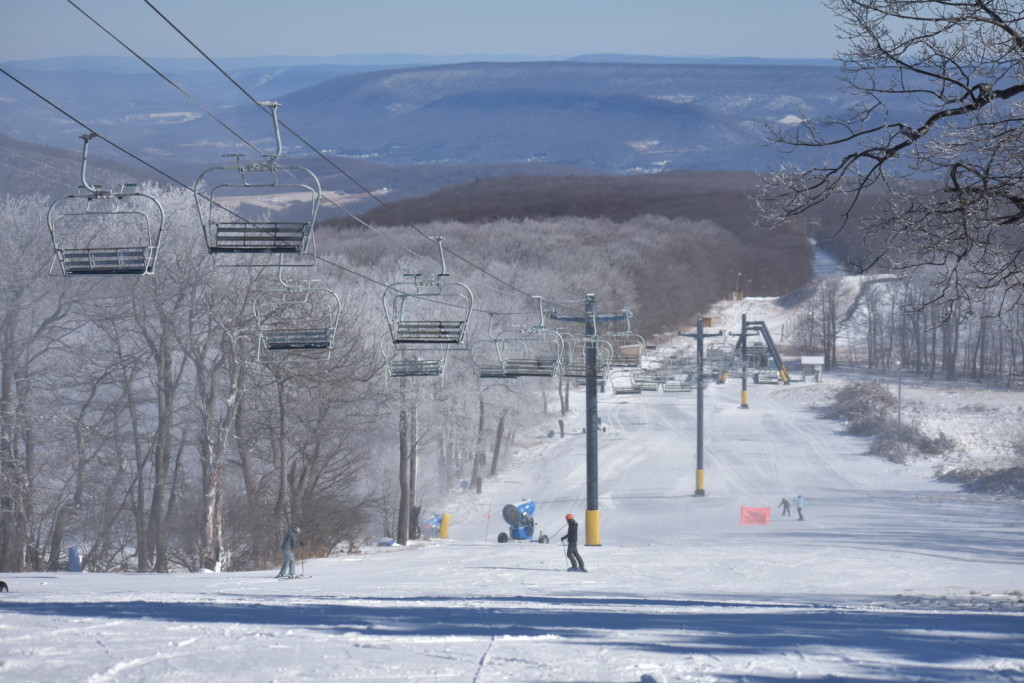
[(675, 272), (723, 197)]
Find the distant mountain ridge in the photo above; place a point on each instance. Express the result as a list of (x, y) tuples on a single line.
[(654, 59), (609, 117), (638, 114)]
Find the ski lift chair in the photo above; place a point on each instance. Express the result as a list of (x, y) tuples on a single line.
[(99, 232), (487, 359), (401, 363), (646, 381), (575, 364), (622, 382), (234, 210), (416, 367), (296, 323), (677, 383), (428, 312), (627, 349), (533, 352)]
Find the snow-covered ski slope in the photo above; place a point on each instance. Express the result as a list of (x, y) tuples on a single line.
[(892, 577)]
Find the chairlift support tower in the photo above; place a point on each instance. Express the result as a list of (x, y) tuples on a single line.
[(699, 336), (590, 320)]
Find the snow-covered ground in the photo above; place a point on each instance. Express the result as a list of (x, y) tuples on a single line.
[(891, 577)]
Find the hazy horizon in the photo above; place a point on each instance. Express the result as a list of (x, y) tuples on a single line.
[(787, 29)]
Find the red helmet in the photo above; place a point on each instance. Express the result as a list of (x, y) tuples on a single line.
[(569, 516)]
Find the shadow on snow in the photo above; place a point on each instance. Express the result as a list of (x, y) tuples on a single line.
[(673, 627)]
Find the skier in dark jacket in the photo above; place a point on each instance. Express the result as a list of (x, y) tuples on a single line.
[(571, 552), (291, 540)]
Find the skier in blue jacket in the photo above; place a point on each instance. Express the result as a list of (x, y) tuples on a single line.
[(800, 508), (291, 540)]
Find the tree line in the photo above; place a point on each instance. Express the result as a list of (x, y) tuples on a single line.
[(136, 425), (885, 322)]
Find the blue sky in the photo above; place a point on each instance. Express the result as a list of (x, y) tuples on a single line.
[(31, 29)]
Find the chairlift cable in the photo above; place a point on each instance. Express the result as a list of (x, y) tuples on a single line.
[(150, 166), (350, 271), (244, 140), (256, 102), (145, 163), (314, 149), (185, 186), (371, 228), (110, 142), (301, 139), (166, 78), (91, 130)]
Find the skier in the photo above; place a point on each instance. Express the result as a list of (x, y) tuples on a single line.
[(291, 539), (800, 508), (571, 552), (785, 508)]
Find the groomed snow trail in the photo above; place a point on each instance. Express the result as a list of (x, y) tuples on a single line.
[(891, 577)]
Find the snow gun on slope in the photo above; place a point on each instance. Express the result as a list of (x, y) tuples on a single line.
[(520, 522)]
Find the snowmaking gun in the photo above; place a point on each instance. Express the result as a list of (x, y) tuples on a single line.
[(520, 521)]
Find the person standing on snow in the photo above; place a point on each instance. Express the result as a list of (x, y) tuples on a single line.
[(785, 508), (571, 552), (291, 540), (800, 508)]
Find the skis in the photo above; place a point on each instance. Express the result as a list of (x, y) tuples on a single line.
[(295, 576), (575, 569)]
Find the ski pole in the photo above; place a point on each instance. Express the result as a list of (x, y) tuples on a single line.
[(565, 555)]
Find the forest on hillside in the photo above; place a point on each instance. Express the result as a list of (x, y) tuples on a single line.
[(139, 424)]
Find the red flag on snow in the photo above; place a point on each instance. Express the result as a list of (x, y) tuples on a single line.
[(755, 515)]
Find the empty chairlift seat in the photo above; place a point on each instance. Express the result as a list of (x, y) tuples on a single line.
[(234, 202), (112, 261), (318, 338), (267, 238), (428, 312), (415, 367), (101, 232), (429, 331), (531, 367), (296, 323)]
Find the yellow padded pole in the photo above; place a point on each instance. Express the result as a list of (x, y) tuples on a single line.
[(446, 521), (593, 527)]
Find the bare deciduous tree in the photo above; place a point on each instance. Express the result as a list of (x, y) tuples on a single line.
[(930, 150)]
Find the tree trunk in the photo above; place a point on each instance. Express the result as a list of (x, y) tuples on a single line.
[(67, 511), (13, 534), (413, 464), (283, 505), (162, 454), (496, 454), (403, 478)]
